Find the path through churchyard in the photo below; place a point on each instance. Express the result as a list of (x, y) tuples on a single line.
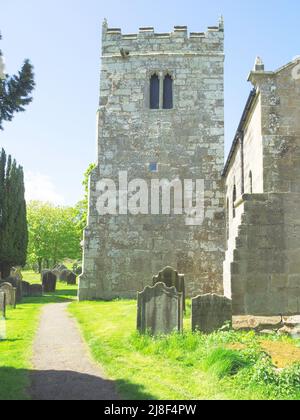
[(63, 369)]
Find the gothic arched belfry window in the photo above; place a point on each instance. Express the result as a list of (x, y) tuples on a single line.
[(154, 91), (168, 92)]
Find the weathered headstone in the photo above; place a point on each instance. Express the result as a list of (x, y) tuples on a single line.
[(2, 305), (64, 275), (171, 278), (56, 272), (71, 278), (48, 281), (35, 290), (25, 288), (160, 310), (210, 313), (17, 284), (10, 293)]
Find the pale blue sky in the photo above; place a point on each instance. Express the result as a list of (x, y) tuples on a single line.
[(55, 139)]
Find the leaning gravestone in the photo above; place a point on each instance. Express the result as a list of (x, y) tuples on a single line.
[(10, 293), (48, 281), (25, 288), (17, 284), (210, 313), (2, 305), (159, 310), (171, 278), (35, 290)]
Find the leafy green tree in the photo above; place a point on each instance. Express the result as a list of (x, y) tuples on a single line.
[(15, 91), (13, 223), (82, 206), (54, 234)]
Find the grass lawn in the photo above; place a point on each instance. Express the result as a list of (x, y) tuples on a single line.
[(21, 326), (229, 365)]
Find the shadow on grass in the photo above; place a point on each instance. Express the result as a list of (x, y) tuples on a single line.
[(59, 296), (53, 385)]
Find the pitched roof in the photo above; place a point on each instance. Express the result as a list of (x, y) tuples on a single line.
[(238, 134)]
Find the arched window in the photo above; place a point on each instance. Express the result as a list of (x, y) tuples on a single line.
[(251, 182), (233, 201), (168, 92), (154, 92)]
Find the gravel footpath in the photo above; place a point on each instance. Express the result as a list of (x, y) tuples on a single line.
[(63, 368)]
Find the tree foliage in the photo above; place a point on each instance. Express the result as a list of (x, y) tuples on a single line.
[(54, 234), (82, 206), (15, 92), (13, 224)]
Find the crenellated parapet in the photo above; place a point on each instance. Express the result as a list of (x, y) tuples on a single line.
[(179, 41)]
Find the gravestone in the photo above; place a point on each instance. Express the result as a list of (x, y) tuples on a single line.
[(160, 310), (10, 293), (63, 275), (210, 313), (35, 290), (48, 281), (71, 278), (17, 284), (171, 278), (56, 272), (25, 288), (2, 305)]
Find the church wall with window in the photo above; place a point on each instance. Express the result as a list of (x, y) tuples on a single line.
[(179, 134), (262, 269)]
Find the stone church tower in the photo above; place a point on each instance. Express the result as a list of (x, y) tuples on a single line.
[(161, 117)]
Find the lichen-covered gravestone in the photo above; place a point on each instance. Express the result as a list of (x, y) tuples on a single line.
[(35, 290), (210, 313), (10, 293), (17, 284), (171, 278), (2, 305), (159, 310), (49, 281)]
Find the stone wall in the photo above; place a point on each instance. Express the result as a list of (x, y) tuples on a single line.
[(253, 162), (122, 252), (265, 273), (280, 98)]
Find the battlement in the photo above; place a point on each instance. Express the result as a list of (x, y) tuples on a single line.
[(147, 39)]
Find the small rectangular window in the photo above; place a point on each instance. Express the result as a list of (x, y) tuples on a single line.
[(153, 167)]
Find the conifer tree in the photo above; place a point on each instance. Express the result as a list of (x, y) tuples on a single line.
[(15, 91), (13, 223)]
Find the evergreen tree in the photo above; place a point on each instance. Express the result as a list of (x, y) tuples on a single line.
[(15, 91), (13, 223)]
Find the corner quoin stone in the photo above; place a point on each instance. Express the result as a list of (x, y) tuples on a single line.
[(159, 310)]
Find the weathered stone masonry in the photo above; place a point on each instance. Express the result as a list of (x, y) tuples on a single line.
[(121, 253), (262, 264)]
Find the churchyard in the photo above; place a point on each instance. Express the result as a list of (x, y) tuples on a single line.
[(183, 365), (20, 329)]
